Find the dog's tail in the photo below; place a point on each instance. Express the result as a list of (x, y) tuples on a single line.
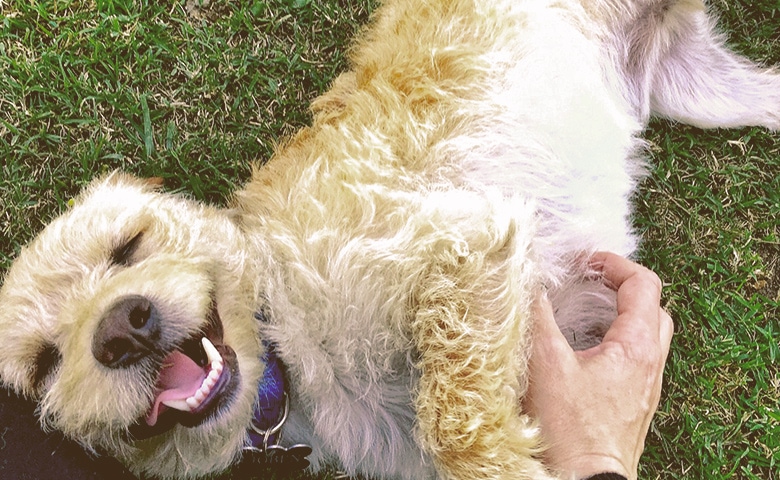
[(682, 70)]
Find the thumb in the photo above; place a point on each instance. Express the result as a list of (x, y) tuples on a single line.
[(548, 339), (549, 352)]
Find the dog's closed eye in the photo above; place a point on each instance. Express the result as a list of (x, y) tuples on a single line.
[(123, 254), (46, 361)]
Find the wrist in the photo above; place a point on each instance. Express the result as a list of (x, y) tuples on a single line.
[(606, 476), (587, 467)]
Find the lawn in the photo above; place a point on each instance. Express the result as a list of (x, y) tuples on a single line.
[(194, 91)]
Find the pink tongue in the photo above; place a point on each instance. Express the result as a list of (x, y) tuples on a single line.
[(180, 378)]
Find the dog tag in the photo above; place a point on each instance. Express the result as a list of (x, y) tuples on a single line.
[(289, 460), (277, 459)]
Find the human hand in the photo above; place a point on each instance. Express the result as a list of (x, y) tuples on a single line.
[(595, 406)]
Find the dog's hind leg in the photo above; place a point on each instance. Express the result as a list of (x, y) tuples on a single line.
[(694, 78)]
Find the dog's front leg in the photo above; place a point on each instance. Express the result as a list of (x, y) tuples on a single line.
[(470, 325)]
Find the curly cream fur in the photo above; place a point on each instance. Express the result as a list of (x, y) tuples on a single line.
[(475, 153)]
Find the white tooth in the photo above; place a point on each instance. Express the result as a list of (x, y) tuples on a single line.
[(177, 405), (192, 402), (216, 367), (211, 351), (210, 382), (200, 395)]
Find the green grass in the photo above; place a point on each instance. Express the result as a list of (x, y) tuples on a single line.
[(709, 215), (194, 95)]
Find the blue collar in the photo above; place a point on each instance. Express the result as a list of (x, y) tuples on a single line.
[(270, 414), (270, 409)]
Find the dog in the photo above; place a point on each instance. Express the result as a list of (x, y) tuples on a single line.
[(366, 298)]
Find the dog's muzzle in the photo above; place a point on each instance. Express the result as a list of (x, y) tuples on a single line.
[(196, 378), (128, 332)]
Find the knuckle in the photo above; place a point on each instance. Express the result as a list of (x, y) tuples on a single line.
[(667, 319), (643, 355), (652, 358), (652, 279)]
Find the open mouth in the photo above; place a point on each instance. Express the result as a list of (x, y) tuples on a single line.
[(195, 382)]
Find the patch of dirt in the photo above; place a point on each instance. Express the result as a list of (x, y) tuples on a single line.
[(769, 283), (200, 10)]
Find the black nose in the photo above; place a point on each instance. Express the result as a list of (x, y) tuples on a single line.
[(128, 332)]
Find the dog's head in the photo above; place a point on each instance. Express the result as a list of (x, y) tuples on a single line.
[(130, 320)]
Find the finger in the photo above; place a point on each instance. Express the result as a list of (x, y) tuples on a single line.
[(546, 331), (666, 332), (638, 298), (616, 269), (542, 310)]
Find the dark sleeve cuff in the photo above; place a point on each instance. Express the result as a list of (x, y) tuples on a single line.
[(606, 476)]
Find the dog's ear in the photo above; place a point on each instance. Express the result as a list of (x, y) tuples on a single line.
[(117, 181), (154, 182), (335, 100), (29, 357), (118, 177)]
